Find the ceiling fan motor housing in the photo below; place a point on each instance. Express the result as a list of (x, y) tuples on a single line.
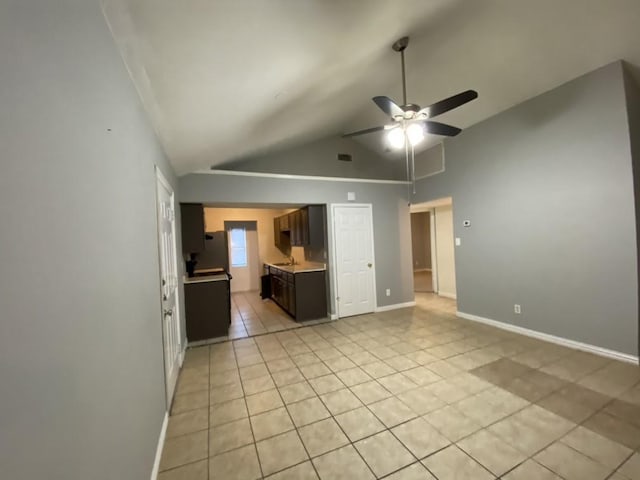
[(400, 44)]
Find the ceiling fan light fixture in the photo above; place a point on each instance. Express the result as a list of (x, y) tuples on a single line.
[(415, 133), (395, 137)]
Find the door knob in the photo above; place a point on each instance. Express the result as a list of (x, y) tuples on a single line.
[(369, 265)]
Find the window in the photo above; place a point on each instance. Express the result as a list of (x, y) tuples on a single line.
[(238, 238)]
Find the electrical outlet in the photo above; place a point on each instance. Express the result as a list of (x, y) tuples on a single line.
[(388, 292), (517, 309)]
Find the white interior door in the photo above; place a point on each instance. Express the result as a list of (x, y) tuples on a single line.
[(169, 283), (353, 234)]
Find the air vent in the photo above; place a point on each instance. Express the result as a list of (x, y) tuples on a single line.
[(345, 157)]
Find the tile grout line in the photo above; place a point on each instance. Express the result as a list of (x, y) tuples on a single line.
[(465, 370), (246, 406)]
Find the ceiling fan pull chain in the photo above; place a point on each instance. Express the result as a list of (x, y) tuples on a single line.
[(406, 154), (413, 169)]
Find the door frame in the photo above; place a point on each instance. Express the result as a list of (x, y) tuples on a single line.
[(161, 180), (333, 252), (430, 206), (434, 249)]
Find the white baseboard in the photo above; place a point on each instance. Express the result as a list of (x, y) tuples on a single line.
[(181, 356), (395, 306), (447, 295), (565, 342), (163, 433), (334, 316)]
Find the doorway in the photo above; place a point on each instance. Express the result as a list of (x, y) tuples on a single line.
[(421, 251), (244, 257), (441, 247), (353, 253), (167, 252)]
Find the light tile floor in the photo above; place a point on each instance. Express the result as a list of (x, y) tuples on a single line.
[(251, 315), (409, 394)]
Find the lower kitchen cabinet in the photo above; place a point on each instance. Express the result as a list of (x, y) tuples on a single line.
[(302, 294), (208, 309)]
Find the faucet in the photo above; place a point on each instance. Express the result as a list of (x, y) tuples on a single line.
[(292, 260)]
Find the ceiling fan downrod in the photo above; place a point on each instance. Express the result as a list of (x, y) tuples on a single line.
[(400, 46)]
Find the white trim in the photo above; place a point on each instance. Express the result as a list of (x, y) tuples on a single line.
[(334, 316), (603, 352), (433, 250), (334, 255), (163, 434), (395, 306), (430, 205), (239, 173), (448, 295), (183, 351), (162, 180)]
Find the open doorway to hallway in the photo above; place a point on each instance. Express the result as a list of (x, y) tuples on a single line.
[(421, 251), (433, 248)]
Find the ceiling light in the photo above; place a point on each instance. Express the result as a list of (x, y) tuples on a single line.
[(395, 137), (415, 133)]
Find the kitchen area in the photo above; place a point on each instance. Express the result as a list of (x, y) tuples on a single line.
[(252, 271)]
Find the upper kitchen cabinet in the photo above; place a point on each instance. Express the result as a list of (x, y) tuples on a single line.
[(192, 227), (315, 222), (301, 227), (281, 239), (295, 228)]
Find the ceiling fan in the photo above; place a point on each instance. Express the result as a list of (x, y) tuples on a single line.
[(410, 120)]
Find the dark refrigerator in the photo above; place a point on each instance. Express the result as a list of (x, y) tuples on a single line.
[(216, 252)]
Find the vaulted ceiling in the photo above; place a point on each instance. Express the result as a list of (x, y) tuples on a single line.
[(225, 79)]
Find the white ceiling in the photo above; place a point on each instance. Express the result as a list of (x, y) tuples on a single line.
[(222, 79)]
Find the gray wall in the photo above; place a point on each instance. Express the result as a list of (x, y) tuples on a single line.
[(421, 240), (320, 158), (81, 363), (633, 110), (391, 223), (548, 188)]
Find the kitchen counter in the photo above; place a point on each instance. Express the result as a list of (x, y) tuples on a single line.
[(206, 278), (300, 268)]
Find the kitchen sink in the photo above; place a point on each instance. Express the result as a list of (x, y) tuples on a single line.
[(282, 264)]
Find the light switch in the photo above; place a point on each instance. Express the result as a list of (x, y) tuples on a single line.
[(351, 196), (458, 241)]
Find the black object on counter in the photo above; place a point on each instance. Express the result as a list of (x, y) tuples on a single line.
[(191, 265)]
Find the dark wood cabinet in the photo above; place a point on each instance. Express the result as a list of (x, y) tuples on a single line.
[(305, 226), (316, 221), (192, 227), (302, 295), (276, 232), (284, 223), (280, 238), (208, 309), (295, 228)]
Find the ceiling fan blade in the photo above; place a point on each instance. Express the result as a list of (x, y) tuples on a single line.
[(450, 103), (366, 130), (438, 128), (388, 106)]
